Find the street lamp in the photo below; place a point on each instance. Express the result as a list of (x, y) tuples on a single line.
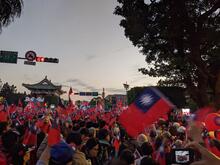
[(126, 86)]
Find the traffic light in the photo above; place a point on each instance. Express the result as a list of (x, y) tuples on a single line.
[(88, 93), (40, 59), (52, 60), (46, 59)]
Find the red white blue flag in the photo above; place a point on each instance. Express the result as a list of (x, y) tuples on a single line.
[(147, 108)]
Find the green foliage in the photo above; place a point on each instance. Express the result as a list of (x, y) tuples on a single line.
[(9, 9), (13, 98), (108, 105), (51, 100), (133, 93), (94, 101), (7, 89), (180, 40), (78, 103)]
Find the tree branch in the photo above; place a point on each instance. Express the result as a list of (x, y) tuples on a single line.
[(209, 12)]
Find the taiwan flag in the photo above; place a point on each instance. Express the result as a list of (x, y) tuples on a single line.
[(147, 108)]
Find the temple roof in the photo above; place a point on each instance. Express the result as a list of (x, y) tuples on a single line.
[(44, 85)]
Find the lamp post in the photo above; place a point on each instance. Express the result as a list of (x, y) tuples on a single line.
[(126, 86)]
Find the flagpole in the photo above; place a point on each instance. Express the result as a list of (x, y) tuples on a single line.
[(126, 86), (6, 109)]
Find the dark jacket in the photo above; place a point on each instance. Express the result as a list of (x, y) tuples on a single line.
[(105, 152)]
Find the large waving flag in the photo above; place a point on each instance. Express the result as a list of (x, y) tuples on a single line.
[(54, 133), (201, 113), (144, 111)]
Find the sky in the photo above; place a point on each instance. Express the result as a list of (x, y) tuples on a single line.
[(84, 35)]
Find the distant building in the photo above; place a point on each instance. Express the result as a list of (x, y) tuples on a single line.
[(116, 99), (44, 87)]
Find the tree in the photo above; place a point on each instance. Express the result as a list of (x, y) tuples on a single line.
[(9, 9), (94, 101), (1, 84), (8, 89), (181, 42), (78, 103)]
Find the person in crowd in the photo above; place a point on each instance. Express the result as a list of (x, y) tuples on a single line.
[(207, 156), (74, 140), (42, 147), (105, 147), (127, 156), (148, 161), (142, 138), (92, 132), (11, 151), (146, 151), (4, 126), (91, 150), (58, 154), (66, 128), (84, 135), (61, 154)]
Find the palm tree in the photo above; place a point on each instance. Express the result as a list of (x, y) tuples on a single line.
[(9, 9)]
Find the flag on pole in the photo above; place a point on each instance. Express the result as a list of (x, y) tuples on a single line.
[(54, 133), (201, 113), (147, 108), (20, 103)]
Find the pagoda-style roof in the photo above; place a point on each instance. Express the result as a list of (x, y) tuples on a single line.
[(44, 87)]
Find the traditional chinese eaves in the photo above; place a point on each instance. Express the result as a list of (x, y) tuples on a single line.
[(44, 87)]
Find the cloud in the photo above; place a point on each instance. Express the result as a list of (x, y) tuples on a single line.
[(90, 57), (115, 90), (27, 77), (119, 50), (78, 82)]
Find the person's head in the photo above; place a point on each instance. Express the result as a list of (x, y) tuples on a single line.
[(127, 156), (153, 134), (92, 132), (118, 162), (82, 124), (141, 139), (148, 161), (116, 130), (178, 143), (104, 134), (74, 138), (66, 124), (173, 130), (102, 124), (9, 139), (76, 127), (146, 149), (92, 147), (61, 154), (85, 134), (3, 127), (89, 124)]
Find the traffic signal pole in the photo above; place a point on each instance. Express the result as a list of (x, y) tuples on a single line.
[(21, 58), (30, 57)]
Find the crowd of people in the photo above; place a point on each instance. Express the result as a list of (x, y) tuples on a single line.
[(50, 137)]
